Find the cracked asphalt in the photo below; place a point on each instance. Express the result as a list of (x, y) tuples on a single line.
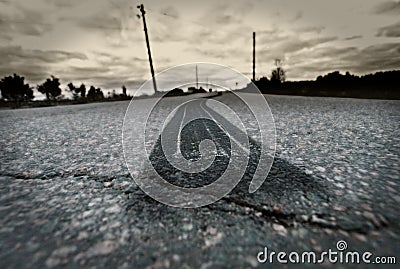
[(68, 200)]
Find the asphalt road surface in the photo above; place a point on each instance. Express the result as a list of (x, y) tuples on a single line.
[(68, 200)]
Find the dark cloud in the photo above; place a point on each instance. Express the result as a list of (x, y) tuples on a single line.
[(392, 30), (353, 37), (116, 24), (34, 64), (285, 45), (333, 52), (268, 32), (241, 33), (109, 71), (271, 44), (101, 22), (61, 3), (162, 34), (360, 61), (224, 17), (123, 28), (109, 59), (318, 55), (379, 57), (106, 70), (227, 18), (388, 7), (22, 21), (219, 53), (296, 45), (5, 34), (85, 73), (10, 54), (310, 29), (170, 11), (298, 16), (34, 73), (168, 26)]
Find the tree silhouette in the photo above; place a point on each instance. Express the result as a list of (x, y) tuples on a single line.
[(71, 87), (82, 90), (99, 94), (51, 88), (13, 88), (278, 74), (95, 94), (124, 90), (175, 92), (262, 83), (73, 90), (91, 93)]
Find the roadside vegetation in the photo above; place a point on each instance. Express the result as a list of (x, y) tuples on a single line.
[(380, 85), (16, 93)]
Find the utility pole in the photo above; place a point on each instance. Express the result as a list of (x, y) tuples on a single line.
[(254, 56), (197, 78), (141, 8)]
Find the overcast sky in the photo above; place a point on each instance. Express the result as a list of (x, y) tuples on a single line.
[(101, 42)]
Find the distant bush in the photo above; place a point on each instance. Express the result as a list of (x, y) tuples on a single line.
[(175, 92)]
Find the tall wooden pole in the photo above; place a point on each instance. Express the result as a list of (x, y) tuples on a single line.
[(197, 78), (254, 56), (141, 8)]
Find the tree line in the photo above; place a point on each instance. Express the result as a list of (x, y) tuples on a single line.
[(14, 89), (380, 85)]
